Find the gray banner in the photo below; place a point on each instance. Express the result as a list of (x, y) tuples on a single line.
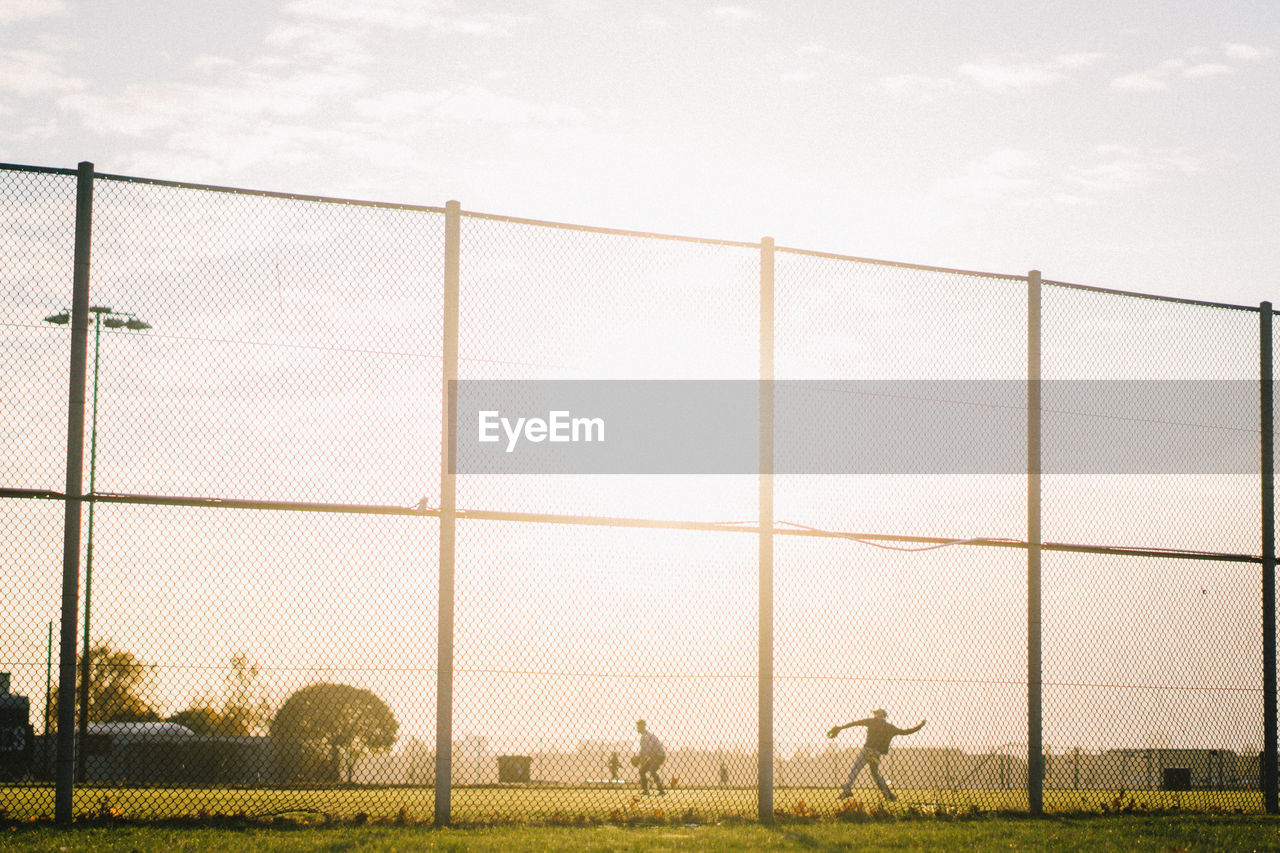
[(854, 427)]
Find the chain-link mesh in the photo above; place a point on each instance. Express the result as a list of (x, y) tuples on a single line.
[(567, 636), (937, 635), (1179, 352), (37, 210), (37, 232), (1135, 699), (31, 538), (538, 302), (1153, 681), (294, 353), (264, 448), (844, 322)]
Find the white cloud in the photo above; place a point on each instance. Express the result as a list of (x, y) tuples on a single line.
[(462, 105), (1002, 75), (1000, 175), (1140, 81), (814, 52), (1153, 79), (28, 73), (1246, 52), (734, 14), (480, 25), (311, 41), (797, 76), (1073, 200), (206, 64), (1126, 168), (1208, 69), (1078, 60), (1158, 78), (221, 109), (308, 99), (473, 103), (129, 113), (26, 10), (1016, 176), (918, 87), (32, 130), (999, 75), (396, 107), (406, 14)]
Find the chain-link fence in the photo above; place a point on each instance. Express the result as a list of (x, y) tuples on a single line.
[(261, 580)]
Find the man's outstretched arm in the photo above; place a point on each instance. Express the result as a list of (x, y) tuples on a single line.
[(835, 730), (912, 730)]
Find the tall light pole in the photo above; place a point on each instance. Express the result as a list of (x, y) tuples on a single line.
[(101, 315)]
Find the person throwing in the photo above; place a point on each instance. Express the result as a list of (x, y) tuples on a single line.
[(651, 757), (879, 733)]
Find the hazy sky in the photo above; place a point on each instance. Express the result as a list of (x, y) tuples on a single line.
[(1123, 144)]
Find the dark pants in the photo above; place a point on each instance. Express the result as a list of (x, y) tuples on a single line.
[(869, 758), (649, 767)]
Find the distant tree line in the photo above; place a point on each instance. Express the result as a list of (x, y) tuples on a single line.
[(319, 731)]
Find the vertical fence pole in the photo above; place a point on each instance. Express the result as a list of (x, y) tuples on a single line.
[(764, 757), (1035, 749), (448, 518), (1266, 419), (65, 776), (86, 654), (48, 698)]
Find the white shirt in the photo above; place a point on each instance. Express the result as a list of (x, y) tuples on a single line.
[(650, 746)]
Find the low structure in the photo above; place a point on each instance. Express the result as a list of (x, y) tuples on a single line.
[(17, 740), (169, 753)]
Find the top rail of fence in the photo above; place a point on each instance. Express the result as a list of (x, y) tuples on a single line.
[(1134, 294), (541, 223), (354, 202), (43, 170), (899, 264), (618, 232)]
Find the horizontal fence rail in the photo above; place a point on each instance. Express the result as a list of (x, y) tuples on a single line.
[(236, 490)]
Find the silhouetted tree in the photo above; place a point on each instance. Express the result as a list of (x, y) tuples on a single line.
[(322, 729), (118, 686), (239, 709), (202, 721), (245, 708)]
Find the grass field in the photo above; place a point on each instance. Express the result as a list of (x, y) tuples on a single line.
[(507, 820), (1107, 833), (497, 805)]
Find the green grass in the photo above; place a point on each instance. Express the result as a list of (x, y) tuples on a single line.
[(497, 805), (1107, 833)]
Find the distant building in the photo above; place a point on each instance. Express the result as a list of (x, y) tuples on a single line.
[(169, 753), (1218, 769), (17, 739)]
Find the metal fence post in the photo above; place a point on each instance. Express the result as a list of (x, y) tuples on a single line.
[(1035, 749), (1266, 421), (448, 519), (764, 758), (65, 777)]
